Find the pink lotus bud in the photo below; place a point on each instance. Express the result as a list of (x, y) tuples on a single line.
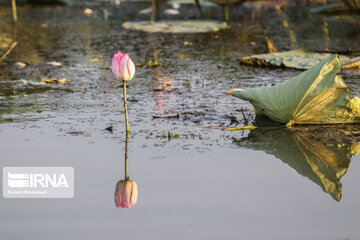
[(123, 67), (126, 194)]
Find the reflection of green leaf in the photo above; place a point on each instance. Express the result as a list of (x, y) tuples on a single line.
[(9, 110), (316, 96), (321, 153), (298, 59)]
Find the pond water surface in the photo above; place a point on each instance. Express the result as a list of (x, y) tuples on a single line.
[(194, 180)]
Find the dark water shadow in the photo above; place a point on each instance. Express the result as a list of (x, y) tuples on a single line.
[(320, 153)]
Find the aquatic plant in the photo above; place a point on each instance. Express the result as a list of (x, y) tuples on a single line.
[(124, 70), (316, 96)]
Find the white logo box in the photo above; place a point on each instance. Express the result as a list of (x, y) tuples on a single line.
[(38, 182)]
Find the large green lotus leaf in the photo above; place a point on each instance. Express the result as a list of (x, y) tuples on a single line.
[(299, 59), (322, 153), (316, 96)]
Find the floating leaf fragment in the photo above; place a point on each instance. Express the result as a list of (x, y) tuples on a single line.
[(97, 59), (154, 63), (316, 96), (61, 81), (176, 26), (298, 59), (32, 82)]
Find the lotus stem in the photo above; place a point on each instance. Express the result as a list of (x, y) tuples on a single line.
[(13, 3), (226, 13), (157, 8), (126, 155), (125, 106), (153, 10), (199, 8), (8, 51)]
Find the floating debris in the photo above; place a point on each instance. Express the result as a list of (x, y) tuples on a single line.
[(176, 26), (171, 12), (44, 81), (109, 129), (61, 81), (88, 12), (32, 82), (240, 128), (146, 11), (298, 59), (54, 64), (78, 133), (19, 65), (167, 116)]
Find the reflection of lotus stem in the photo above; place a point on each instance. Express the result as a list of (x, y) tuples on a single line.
[(13, 2), (125, 106), (153, 10), (126, 155), (226, 13)]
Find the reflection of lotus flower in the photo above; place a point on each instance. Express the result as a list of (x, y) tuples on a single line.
[(123, 67), (126, 194)]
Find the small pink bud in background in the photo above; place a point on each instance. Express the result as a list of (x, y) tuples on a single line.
[(125, 194), (123, 67)]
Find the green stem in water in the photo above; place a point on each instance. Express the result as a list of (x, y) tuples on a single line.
[(126, 155), (153, 10), (125, 106), (226, 13), (199, 8), (13, 3)]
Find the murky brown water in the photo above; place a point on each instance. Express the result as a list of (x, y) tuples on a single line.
[(202, 183)]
